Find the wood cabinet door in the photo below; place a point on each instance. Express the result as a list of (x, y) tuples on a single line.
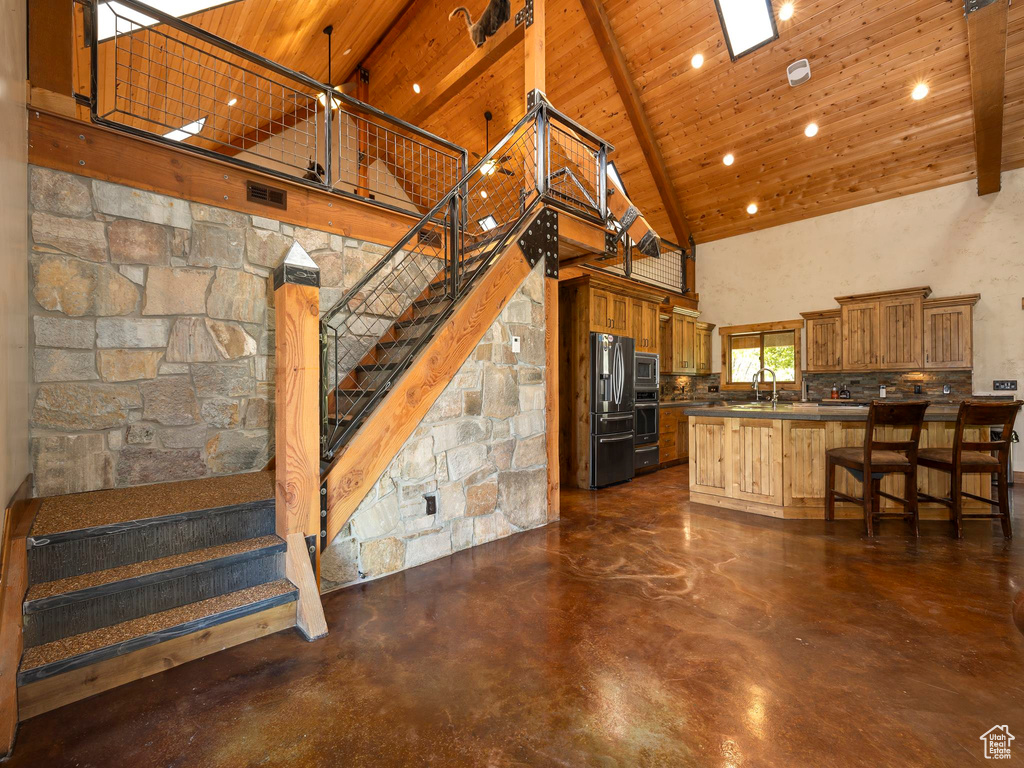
[(665, 345), (756, 456), (860, 336), (689, 344), (651, 325), (678, 357), (600, 311), (636, 324), (620, 313), (948, 337), (702, 351), (899, 333), (824, 344)]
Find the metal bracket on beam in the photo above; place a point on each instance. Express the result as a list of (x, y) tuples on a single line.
[(364, 75), (540, 241), (323, 521), (970, 6), (525, 14), (535, 97), (611, 243), (692, 253)]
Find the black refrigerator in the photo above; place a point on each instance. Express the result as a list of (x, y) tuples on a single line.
[(611, 409)]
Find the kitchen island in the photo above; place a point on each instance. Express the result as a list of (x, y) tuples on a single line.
[(771, 461)]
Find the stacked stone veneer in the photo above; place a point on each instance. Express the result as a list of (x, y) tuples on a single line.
[(480, 451), (152, 332)]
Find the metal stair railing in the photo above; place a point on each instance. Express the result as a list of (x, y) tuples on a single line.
[(399, 304)]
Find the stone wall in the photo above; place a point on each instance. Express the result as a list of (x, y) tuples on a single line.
[(152, 335), (480, 452)]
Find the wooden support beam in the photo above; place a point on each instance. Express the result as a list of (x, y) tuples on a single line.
[(619, 69), (363, 138), (986, 38), (465, 72), (51, 45), (535, 56), (551, 334), (297, 406), (309, 611)]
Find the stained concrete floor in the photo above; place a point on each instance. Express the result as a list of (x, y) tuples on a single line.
[(638, 631)]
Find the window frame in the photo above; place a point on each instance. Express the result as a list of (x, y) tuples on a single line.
[(727, 332)]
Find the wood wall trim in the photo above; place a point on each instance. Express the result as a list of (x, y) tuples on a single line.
[(986, 41), (52, 692), (101, 153), (923, 291), (355, 470), (619, 69), (18, 517)]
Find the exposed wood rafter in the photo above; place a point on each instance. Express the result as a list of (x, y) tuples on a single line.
[(986, 38), (619, 69)]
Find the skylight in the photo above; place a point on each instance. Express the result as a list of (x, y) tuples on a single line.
[(116, 19), (186, 131), (748, 24)]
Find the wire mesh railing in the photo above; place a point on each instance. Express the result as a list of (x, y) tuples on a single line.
[(667, 270), (157, 76)]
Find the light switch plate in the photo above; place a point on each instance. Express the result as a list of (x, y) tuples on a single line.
[(1005, 385), (515, 345)]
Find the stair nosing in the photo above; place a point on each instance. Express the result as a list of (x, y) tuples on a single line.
[(146, 579), (103, 653), (127, 525)]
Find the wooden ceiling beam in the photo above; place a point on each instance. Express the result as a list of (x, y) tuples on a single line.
[(466, 71), (986, 41), (619, 69)]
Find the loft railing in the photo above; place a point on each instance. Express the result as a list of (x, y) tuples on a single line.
[(156, 76), (667, 270), (397, 307)]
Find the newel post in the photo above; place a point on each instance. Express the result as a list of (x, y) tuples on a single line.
[(297, 429)]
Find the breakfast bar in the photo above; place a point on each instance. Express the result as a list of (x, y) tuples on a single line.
[(771, 460)]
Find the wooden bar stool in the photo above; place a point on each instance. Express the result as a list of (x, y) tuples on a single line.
[(879, 458), (968, 457)]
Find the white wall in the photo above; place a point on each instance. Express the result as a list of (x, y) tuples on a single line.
[(13, 247), (948, 238)]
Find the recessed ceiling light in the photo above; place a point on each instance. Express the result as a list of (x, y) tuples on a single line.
[(232, 102), (697, 61), (748, 24), (752, 209), (786, 11), (729, 159), (811, 130), (416, 87), (919, 92), (483, 193), (347, 52)]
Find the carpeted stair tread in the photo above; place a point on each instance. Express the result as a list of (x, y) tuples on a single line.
[(134, 570), (117, 505), (87, 642)]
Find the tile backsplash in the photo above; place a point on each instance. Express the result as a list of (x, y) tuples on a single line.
[(862, 385)]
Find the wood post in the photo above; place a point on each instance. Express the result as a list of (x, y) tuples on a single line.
[(534, 58), (297, 422), (362, 135), (51, 45), (551, 386)]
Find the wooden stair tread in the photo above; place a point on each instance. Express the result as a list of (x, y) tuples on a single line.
[(171, 565), (89, 647), (117, 505)]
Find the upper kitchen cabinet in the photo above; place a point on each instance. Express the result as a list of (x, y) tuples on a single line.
[(679, 341), (859, 320), (824, 340), (702, 347), (609, 311), (643, 320), (948, 331)]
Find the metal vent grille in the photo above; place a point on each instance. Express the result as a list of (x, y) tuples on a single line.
[(264, 195)]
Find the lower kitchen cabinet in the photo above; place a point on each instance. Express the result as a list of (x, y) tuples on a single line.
[(673, 436)]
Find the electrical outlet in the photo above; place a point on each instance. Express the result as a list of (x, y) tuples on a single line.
[(1005, 385), (712, 388), (431, 504), (917, 389), (946, 389), (516, 345)]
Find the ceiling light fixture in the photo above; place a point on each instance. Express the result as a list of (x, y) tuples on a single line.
[(322, 97), (786, 12), (697, 61), (487, 223), (919, 92), (752, 209), (186, 131), (729, 159), (416, 87), (232, 102), (748, 24), (811, 130), (113, 19)]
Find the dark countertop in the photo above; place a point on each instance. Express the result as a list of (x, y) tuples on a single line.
[(807, 411)]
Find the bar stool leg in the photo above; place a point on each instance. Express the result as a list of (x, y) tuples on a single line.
[(870, 504), (957, 501), (1003, 482), (830, 479), (912, 503)]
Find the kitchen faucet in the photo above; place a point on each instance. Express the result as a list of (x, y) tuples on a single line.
[(757, 392)]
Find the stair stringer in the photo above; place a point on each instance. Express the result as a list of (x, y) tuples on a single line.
[(355, 471)]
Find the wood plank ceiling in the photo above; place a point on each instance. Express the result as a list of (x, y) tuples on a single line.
[(874, 142)]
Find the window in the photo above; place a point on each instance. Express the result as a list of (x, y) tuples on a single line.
[(748, 349), (748, 24), (114, 19)]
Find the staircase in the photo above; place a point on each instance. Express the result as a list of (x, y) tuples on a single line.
[(116, 572)]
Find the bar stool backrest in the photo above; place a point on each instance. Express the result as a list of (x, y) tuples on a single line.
[(976, 413), (908, 415)]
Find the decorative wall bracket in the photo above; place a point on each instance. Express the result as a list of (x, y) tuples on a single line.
[(540, 241)]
